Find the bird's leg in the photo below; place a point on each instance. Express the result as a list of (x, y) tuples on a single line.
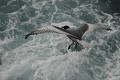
[(70, 45), (75, 45)]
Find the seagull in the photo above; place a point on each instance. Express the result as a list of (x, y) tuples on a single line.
[(74, 34)]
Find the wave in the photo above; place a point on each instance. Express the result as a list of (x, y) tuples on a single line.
[(45, 56)]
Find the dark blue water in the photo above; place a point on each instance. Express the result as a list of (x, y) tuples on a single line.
[(45, 57)]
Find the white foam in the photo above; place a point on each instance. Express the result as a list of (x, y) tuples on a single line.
[(44, 54)]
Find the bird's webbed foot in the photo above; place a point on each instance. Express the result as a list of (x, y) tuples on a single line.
[(70, 45)]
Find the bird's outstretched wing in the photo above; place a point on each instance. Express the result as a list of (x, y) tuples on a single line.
[(52, 28)]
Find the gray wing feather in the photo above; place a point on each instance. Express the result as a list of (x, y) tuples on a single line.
[(51, 29)]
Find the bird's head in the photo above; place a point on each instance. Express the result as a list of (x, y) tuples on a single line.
[(65, 27)]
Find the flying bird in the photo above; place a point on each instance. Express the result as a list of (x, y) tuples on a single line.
[(75, 34)]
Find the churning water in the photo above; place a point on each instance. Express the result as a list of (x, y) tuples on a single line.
[(45, 56)]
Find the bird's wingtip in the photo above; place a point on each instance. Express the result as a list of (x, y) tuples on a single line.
[(26, 36), (109, 29)]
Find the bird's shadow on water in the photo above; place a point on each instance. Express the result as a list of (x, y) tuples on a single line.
[(78, 48), (72, 49)]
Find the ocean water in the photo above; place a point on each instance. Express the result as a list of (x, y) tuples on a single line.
[(45, 56)]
